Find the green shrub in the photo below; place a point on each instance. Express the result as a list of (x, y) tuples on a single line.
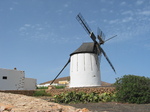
[(59, 87), (108, 97), (43, 87), (41, 93), (133, 89), (81, 97)]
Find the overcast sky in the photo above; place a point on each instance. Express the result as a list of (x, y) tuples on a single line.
[(37, 36)]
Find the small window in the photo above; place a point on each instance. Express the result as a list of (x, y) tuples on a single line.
[(4, 77)]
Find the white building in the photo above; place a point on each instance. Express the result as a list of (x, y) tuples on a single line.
[(15, 80)]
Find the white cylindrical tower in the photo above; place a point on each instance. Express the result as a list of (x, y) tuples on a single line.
[(84, 67)]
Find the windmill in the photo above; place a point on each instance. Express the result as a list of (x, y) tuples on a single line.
[(84, 62)]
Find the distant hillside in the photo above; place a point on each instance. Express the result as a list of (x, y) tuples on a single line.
[(68, 78)]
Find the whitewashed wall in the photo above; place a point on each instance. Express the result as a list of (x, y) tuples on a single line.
[(30, 84), (15, 80), (84, 70), (11, 79)]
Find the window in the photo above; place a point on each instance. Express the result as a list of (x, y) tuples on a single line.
[(4, 77)]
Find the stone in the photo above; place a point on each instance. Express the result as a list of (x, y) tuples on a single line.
[(22, 103), (5, 107)]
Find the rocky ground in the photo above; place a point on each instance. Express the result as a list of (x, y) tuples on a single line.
[(110, 106), (21, 103), (114, 107)]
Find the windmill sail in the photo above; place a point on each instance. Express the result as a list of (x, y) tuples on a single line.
[(111, 38), (100, 36), (60, 71), (108, 59), (83, 23)]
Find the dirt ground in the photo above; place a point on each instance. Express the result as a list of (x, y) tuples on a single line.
[(114, 107), (21, 103), (110, 106)]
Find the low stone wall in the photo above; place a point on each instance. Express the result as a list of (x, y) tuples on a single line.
[(24, 92), (99, 90), (54, 91)]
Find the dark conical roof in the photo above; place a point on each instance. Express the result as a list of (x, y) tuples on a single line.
[(85, 48)]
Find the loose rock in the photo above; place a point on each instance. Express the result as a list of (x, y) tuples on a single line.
[(21, 103)]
